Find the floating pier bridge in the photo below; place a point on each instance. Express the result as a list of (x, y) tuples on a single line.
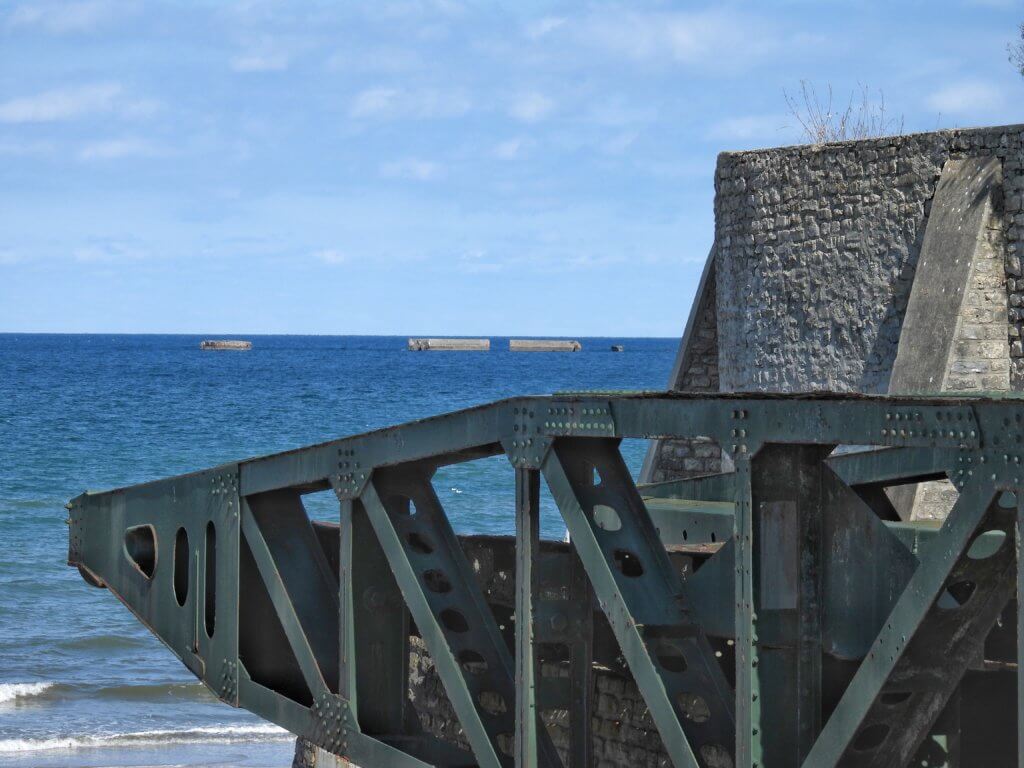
[(772, 616)]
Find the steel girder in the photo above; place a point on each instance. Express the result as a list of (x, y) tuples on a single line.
[(805, 569)]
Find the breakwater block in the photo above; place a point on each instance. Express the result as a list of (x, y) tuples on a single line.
[(544, 345), (230, 344), (453, 345)]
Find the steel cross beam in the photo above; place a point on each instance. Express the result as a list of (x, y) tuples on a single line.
[(224, 566)]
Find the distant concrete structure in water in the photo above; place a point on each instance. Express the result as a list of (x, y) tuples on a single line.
[(618, 348), (229, 344), (451, 345), (543, 345)]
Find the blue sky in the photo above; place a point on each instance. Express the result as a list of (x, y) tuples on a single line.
[(421, 167)]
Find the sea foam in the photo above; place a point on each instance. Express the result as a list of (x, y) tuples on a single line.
[(219, 734)]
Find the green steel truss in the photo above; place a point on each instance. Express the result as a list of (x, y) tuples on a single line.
[(779, 615)]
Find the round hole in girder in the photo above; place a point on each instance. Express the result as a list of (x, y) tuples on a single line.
[(627, 563), (716, 756), (694, 707), (419, 543), (956, 595), (670, 657), (472, 662), (896, 698), (453, 620), (871, 737), (1007, 500), (436, 581), (986, 544), (606, 518), (181, 566), (140, 546), (492, 702)]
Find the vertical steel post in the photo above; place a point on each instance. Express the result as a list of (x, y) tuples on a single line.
[(778, 527), (527, 552), (581, 671), (1020, 629)]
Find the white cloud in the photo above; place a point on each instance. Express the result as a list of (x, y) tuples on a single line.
[(711, 37), (411, 168), (531, 107), (76, 102), (619, 143), (509, 150), (115, 149), (62, 18), (10, 258), (545, 26), (394, 103), (106, 253), (330, 256), (967, 97), (256, 62), (746, 127)]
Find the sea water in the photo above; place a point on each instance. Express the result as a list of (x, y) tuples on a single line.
[(82, 683)]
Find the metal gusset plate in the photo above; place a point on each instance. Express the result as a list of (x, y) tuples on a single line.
[(450, 612), (937, 627), (674, 666)]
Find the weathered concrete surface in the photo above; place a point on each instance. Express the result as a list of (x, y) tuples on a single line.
[(449, 345), (544, 345), (954, 334), (946, 295)]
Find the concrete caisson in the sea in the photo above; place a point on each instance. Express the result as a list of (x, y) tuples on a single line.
[(225, 344), (544, 345), (448, 345)]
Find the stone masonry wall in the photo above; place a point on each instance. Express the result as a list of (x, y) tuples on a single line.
[(698, 372), (816, 249)]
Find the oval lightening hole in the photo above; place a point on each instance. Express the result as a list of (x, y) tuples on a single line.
[(986, 544), (670, 658), (492, 702), (628, 563), (437, 582), (895, 699), (181, 568), (401, 505), (420, 543), (454, 621), (140, 545), (956, 595), (871, 737), (606, 518), (211, 578), (472, 662), (694, 707), (505, 743), (716, 756)]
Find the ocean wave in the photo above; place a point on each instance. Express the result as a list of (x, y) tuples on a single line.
[(210, 734), (12, 691), (155, 692)]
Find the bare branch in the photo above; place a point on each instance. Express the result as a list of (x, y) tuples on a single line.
[(862, 117)]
